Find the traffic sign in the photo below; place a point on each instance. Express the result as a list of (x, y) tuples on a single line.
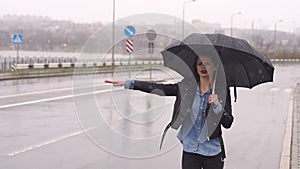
[(129, 45), (129, 31), (151, 34), (18, 39)]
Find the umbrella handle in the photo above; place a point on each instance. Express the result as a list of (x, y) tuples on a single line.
[(214, 80), (214, 86)]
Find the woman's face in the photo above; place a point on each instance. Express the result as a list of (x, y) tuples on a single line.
[(205, 66)]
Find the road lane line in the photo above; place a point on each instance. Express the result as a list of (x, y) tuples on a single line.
[(49, 91), (59, 98), (288, 90), (46, 143), (31, 93), (55, 98), (274, 89)]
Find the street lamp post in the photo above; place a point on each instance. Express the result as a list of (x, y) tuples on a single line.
[(275, 33), (183, 13), (231, 27), (294, 30), (113, 36)]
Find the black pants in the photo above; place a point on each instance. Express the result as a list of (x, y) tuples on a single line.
[(197, 161)]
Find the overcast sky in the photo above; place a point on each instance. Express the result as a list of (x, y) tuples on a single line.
[(264, 13)]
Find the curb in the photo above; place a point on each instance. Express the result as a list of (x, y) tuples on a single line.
[(285, 158), (295, 146), (286, 153)]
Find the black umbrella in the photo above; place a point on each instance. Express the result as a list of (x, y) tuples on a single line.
[(244, 66), (238, 64)]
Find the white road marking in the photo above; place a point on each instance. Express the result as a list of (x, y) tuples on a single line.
[(56, 98), (48, 91), (288, 90), (43, 144), (274, 89)]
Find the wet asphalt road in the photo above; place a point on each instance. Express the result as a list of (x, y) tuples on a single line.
[(40, 124)]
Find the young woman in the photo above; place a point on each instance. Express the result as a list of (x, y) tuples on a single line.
[(201, 116)]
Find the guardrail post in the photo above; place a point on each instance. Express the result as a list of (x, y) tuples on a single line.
[(4, 67), (10, 60)]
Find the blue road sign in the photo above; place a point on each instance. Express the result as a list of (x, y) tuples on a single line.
[(18, 39), (129, 31)]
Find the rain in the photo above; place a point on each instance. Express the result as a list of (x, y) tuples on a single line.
[(121, 84)]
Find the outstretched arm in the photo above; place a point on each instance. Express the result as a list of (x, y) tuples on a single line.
[(148, 87), (116, 82)]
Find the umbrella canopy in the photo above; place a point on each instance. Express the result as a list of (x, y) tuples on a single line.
[(244, 66)]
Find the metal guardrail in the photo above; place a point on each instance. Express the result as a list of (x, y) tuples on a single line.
[(15, 67), (285, 60), (7, 62)]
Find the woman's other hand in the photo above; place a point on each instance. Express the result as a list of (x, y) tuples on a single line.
[(213, 98)]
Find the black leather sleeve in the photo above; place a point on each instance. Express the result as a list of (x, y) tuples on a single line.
[(156, 88), (227, 118)]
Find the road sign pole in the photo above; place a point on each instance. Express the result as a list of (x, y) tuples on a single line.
[(151, 35), (150, 68), (129, 64), (17, 54), (150, 51), (17, 40)]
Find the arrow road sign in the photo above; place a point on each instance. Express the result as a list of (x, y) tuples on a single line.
[(129, 31)]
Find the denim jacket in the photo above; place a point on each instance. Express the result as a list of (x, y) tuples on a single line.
[(194, 138)]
